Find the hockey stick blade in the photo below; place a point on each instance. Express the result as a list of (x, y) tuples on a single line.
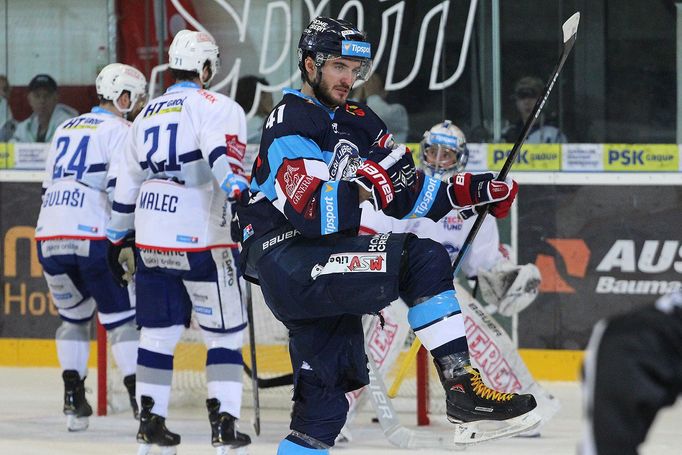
[(267, 383), (569, 30)]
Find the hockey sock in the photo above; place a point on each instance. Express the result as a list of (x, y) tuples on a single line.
[(439, 324), (289, 447), (155, 365), (224, 369), (124, 340), (73, 346)]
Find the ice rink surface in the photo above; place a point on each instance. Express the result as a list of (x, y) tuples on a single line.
[(31, 423)]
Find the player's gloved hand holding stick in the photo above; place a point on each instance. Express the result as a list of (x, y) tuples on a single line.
[(121, 260)]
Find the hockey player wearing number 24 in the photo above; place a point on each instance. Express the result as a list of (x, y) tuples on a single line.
[(320, 157), (182, 168), (81, 172)]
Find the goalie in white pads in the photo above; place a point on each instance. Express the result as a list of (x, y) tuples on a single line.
[(81, 173), (505, 286), (183, 166)]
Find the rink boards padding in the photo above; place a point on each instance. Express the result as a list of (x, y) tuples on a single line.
[(601, 250)]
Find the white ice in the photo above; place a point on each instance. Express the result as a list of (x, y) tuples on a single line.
[(31, 423)]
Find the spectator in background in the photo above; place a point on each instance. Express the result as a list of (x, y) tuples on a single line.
[(373, 94), (526, 92), (47, 114), (7, 124), (246, 92)]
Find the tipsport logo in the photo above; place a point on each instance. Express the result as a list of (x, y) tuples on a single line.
[(355, 49)]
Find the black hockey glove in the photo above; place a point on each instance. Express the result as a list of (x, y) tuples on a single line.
[(121, 260)]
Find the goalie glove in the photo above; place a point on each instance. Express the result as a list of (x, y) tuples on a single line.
[(121, 260), (511, 288)]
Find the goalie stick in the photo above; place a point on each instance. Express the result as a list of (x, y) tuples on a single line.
[(569, 29)]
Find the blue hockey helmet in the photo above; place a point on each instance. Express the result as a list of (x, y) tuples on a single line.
[(326, 38)]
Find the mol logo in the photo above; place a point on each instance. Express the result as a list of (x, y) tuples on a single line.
[(575, 255)]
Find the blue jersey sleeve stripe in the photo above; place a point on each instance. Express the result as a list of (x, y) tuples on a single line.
[(216, 153), (329, 208), (426, 198), (291, 147), (437, 307), (97, 167), (122, 208), (194, 155), (111, 183)]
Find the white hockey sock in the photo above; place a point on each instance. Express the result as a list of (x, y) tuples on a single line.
[(155, 365), (124, 341), (438, 321), (224, 369), (73, 346)]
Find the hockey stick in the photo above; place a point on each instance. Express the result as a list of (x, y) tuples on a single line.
[(254, 365), (267, 383), (569, 28), (395, 433)]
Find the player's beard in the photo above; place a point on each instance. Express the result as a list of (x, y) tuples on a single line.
[(324, 94)]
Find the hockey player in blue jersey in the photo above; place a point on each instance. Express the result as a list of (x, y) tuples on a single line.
[(182, 167), (320, 157), (81, 173)]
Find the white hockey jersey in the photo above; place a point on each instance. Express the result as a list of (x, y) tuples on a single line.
[(451, 231), (182, 161), (80, 170)]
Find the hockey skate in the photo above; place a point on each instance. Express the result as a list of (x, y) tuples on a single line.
[(153, 431), (76, 406), (481, 413), (224, 434), (129, 383)]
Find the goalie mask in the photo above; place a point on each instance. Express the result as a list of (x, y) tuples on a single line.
[(326, 38), (190, 51), (116, 78), (443, 150)]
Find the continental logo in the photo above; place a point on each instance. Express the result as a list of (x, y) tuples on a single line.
[(641, 157), (531, 157), (628, 267)]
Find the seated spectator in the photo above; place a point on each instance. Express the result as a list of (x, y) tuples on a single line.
[(246, 93), (7, 124), (373, 94), (47, 114), (526, 92)]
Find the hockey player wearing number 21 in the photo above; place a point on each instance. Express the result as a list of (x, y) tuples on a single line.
[(320, 157), (81, 170), (172, 209)]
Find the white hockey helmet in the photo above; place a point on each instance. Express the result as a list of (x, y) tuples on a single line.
[(190, 50), (116, 78), (443, 150)]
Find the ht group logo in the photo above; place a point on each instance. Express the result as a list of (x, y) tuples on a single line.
[(628, 267)]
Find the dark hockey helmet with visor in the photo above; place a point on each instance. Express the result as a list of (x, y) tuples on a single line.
[(326, 38), (444, 150)]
